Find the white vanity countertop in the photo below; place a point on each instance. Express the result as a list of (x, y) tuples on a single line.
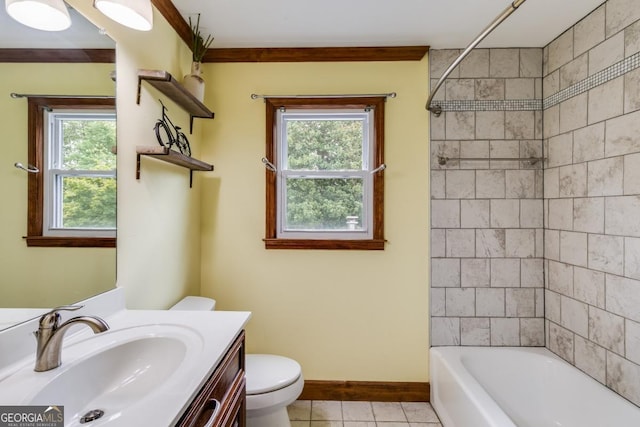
[(209, 336), (218, 330)]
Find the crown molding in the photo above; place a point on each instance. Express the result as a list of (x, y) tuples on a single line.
[(317, 54), (173, 17), (58, 55)]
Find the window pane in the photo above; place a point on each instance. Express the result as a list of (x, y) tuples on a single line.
[(87, 144), (88, 202), (324, 204), (331, 144)]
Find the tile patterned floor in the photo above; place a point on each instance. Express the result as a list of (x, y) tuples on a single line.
[(330, 413)]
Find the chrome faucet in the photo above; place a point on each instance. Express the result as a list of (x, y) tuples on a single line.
[(50, 333)]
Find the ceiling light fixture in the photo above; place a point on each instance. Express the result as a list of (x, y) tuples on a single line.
[(136, 14), (47, 15)]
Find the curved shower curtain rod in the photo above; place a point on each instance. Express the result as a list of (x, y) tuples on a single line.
[(436, 109)]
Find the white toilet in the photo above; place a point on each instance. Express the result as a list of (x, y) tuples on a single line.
[(273, 382)]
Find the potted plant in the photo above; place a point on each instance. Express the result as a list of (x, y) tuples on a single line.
[(199, 45)]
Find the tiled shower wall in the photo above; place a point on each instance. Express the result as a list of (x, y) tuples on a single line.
[(487, 215), (592, 195)]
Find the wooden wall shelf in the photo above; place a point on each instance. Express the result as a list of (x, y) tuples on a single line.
[(171, 156), (168, 85)]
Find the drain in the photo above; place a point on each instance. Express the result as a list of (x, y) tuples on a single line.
[(91, 416)]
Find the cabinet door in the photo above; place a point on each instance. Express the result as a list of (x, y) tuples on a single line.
[(221, 401)]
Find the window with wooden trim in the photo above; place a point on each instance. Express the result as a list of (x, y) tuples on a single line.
[(324, 186), (72, 199)]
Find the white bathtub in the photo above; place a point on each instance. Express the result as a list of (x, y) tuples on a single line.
[(520, 387)]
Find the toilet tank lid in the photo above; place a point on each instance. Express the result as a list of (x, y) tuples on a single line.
[(193, 303), (268, 372)]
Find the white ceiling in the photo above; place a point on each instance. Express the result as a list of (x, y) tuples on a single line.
[(437, 23), (308, 23)]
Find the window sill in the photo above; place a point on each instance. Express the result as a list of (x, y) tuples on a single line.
[(367, 245), (71, 242)]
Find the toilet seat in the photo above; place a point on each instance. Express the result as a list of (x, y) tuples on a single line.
[(268, 372), (259, 405)]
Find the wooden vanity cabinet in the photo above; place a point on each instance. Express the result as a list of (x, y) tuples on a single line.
[(222, 400)]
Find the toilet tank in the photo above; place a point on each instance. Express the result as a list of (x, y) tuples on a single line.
[(192, 303)]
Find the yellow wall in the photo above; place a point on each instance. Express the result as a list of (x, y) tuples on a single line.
[(43, 277), (356, 315), (344, 315), (158, 255)]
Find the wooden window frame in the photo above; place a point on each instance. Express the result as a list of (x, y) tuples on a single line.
[(35, 155), (273, 105)]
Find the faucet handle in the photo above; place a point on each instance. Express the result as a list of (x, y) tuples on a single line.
[(52, 318)]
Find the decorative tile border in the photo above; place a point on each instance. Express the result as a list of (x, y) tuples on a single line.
[(491, 105), (612, 72)]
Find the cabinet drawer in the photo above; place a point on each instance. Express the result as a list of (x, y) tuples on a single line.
[(221, 401), (236, 413)]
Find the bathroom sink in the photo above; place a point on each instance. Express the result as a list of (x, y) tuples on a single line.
[(111, 379), (113, 372)]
